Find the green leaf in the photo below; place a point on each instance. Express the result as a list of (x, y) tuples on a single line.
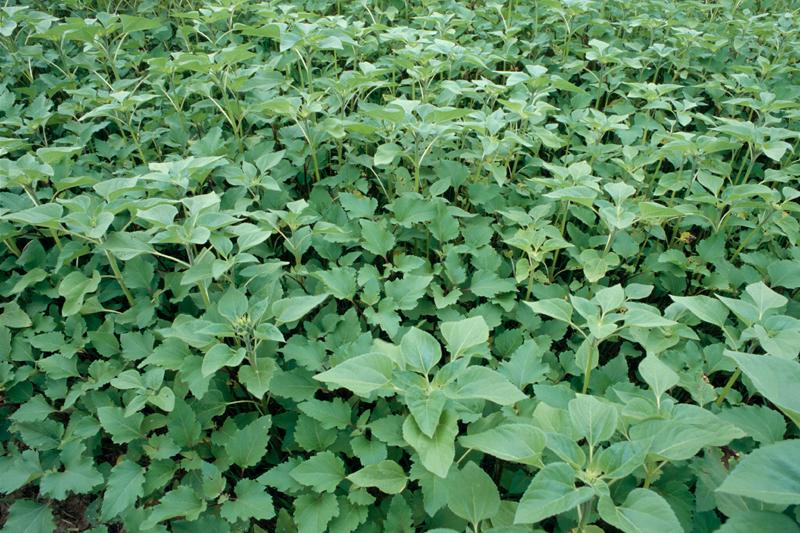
[(252, 501), (387, 476), (551, 492), (25, 516), (313, 512), (322, 472), (220, 356), (554, 308), (292, 309), (472, 494), (436, 452), (480, 382), (769, 474), (79, 475), (426, 407), (126, 246), (658, 375), (341, 282), (257, 379), (363, 374), (705, 308), (749, 521), (774, 378), (385, 154), (249, 444), (461, 335), (182, 501), (518, 443), (233, 304), (376, 237), (643, 511), (125, 485), (123, 429), (420, 350), (592, 418)]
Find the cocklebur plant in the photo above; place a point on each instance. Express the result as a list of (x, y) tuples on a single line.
[(399, 266)]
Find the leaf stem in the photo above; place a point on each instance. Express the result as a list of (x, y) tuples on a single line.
[(728, 386), (117, 274)]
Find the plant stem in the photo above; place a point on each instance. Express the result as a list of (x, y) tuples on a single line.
[(117, 274), (728, 386)]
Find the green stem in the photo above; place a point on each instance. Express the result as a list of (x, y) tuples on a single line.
[(12, 247), (728, 386), (117, 274)]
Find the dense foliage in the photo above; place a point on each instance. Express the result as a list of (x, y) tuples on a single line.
[(394, 266)]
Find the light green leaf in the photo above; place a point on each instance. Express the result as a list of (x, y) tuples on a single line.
[(769, 474), (461, 335), (313, 512), (658, 375), (551, 492), (248, 445), (593, 418), (518, 443), (125, 485), (322, 472), (705, 308), (480, 382), (363, 374), (644, 511), (553, 308), (420, 350), (292, 309), (256, 379), (436, 452), (252, 501), (182, 501), (472, 495), (25, 516), (387, 476), (774, 378)]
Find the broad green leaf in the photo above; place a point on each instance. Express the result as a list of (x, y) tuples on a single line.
[(472, 494), (594, 419), (552, 491), (257, 379), (643, 511), (436, 452), (249, 444), (123, 429), (421, 351), (480, 382), (125, 486), (341, 282), (386, 154), (774, 378), (658, 375), (462, 335), (220, 356), (26, 516), (705, 308), (518, 443), (553, 308), (387, 476), (313, 512), (377, 238), (426, 407), (362, 375), (182, 501), (769, 474), (252, 501), (750, 521), (292, 309), (322, 472), (232, 304)]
